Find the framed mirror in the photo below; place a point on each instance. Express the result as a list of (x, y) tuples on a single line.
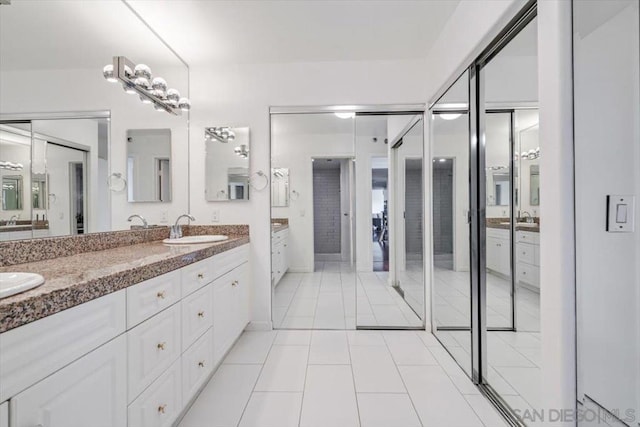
[(279, 187), (227, 163), (149, 165), (12, 193)]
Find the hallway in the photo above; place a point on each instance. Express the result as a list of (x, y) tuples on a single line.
[(340, 379)]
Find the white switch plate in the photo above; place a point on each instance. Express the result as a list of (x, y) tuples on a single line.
[(215, 215), (620, 213)]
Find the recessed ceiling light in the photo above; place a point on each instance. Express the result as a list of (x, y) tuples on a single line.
[(449, 116), (348, 115), (442, 160)]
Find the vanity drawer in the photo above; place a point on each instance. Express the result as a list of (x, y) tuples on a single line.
[(161, 403), (227, 261), (152, 296), (33, 351), (196, 275), (152, 347), (197, 364), (528, 237), (197, 315), (528, 274), (498, 233), (526, 253)]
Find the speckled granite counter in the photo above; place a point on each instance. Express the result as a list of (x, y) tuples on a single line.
[(278, 224), (534, 228), (82, 277)]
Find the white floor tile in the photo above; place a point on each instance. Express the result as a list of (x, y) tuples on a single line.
[(386, 410), (408, 349), (365, 338), (374, 370), (329, 348), (270, 409), (485, 411), (252, 347), (329, 397), (293, 338), (222, 401), (437, 401), (284, 369)]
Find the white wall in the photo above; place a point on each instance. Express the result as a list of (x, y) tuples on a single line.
[(242, 94), (144, 146)]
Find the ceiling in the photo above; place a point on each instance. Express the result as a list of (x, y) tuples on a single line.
[(328, 124), (220, 32)]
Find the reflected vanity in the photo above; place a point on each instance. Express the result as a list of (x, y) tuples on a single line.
[(227, 170)]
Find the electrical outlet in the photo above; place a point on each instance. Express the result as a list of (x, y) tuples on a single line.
[(164, 217), (215, 215)]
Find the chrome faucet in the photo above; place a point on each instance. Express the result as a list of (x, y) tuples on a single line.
[(528, 218), (13, 220), (176, 229), (144, 221)]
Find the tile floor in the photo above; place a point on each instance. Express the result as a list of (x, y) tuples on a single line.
[(327, 299), (340, 379), (514, 358)]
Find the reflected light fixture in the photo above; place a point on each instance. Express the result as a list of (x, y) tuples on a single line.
[(449, 116), (346, 115), (222, 134), (11, 166), (242, 151), (138, 79)]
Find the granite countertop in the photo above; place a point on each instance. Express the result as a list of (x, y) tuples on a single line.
[(278, 227), (79, 278), (534, 228)]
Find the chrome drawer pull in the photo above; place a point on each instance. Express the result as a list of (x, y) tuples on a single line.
[(200, 276), (161, 294), (234, 283), (162, 345), (201, 314), (201, 363), (162, 408)]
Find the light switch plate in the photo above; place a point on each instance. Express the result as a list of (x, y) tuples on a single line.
[(621, 211)]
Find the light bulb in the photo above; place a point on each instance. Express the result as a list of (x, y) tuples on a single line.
[(184, 104), (450, 116), (108, 74), (143, 82), (159, 107), (231, 136), (159, 83), (141, 70), (173, 95), (159, 93)]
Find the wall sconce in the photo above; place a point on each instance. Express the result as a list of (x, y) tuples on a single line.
[(223, 134), (242, 151), (137, 79)]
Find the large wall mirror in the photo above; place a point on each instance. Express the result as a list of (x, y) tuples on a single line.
[(74, 125), (227, 170)]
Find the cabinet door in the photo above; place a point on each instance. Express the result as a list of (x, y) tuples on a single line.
[(493, 253), (92, 391), (222, 317), (242, 296), (4, 414)]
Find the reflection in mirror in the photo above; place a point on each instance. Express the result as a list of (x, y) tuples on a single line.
[(227, 163), (39, 193), (149, 165), (12, 193), (279, 187), (534, 185)]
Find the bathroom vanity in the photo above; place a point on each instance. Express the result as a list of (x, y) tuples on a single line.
[(279, 251), (137, 332)]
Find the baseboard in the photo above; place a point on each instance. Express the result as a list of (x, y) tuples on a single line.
[(263, 325)]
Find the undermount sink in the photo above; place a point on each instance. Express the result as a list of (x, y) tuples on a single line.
[(194, 240), (15, 283)]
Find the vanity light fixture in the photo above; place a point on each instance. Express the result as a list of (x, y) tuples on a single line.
[(11, 166), (242, 151), (222, 134), (137, 79)]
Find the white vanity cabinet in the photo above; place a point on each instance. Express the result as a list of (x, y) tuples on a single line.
[(279, 255), (528, 259), (498, 251), (132, 358), (90, 391)]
